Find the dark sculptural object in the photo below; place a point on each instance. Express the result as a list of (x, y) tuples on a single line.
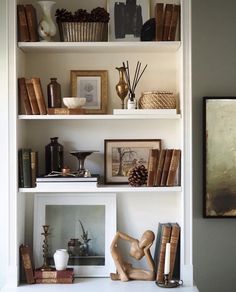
[(81, 155), (53, 156)]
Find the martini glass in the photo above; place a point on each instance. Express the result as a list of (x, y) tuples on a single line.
[(81, 156)]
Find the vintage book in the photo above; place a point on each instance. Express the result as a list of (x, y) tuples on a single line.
[(24, 103), (54, 274), (174, 22), (165, 237), (65, 111), (25, 180), (34, 167), (66, 186), (23, 31), (39, 95), (26, 257), (174, 251), (32, 97), (167, 21), (158, 245), (31, 17), (152, 166), (173, 169), (166, 167), (160, 167), (68, 280), (159, 11)]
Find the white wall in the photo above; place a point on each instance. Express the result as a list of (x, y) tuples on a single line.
[(3, 143), (214, 74)]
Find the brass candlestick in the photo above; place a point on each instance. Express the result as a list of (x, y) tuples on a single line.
[(169, 283), (45, 266)]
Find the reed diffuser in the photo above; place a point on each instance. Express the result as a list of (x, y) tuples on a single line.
[(132, 103)]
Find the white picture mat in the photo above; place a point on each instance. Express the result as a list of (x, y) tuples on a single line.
[(107, 199)]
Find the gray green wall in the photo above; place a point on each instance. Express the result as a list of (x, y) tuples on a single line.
[(213, 74)]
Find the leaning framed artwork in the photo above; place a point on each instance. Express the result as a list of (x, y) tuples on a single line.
[(122, 155), (127, 18), (219, 155), (93, 86), (84, 224)]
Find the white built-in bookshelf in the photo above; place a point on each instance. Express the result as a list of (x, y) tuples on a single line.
[(138, 209)]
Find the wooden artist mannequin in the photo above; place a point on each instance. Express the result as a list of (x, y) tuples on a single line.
[(138, 249)]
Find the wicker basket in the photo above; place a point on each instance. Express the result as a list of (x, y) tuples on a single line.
[(83, 31), (157, 100)]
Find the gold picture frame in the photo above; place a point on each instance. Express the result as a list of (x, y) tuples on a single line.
[(91, 84)]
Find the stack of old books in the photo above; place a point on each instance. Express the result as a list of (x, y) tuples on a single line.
[(54, 276)]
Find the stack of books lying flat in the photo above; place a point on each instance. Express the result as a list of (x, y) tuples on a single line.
[(61, 182), (54, 276)]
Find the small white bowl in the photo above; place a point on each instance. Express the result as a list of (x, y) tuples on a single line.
[(74, 102)]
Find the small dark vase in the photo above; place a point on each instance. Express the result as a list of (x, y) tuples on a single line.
[(54, 93), (53, 156)]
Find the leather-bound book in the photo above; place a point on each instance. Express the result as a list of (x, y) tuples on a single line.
[(34, 167), (31, 17), (24, 103), (32, 97), (174, 243), (174, 22), (167, 21), (166, 167), (25, 168), (55, 281), (159, 11), (152, 166), (173, 169), (160, 167), (27, 263), (54, 274), (22, 25), (166, 232), (65, 111), (39, 95)]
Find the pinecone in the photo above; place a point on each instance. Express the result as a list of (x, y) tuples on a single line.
[(138, 176)]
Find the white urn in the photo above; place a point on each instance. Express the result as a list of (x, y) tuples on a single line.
[(61, 258), (47, 28)]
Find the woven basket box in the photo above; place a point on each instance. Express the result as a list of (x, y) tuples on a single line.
[(157, 100), (83, 31)]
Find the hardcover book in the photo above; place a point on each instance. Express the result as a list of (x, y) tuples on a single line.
[(25, 179), (166, 166), (32, 22), (54, 274), (55, 281), (32, 97), (152, 166), (39, 95), (174, 22), (160, 167), (175, 251), (173, 169), (159, 11), (46, 178), (34, 167), (27, 263), (24, 103), (23, 31), (65, 111), (167, 21)]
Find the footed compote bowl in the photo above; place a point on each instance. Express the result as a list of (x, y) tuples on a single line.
[(81, 155)]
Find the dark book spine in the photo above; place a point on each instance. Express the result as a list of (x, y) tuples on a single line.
[(166, 167), (23, 31), (174, 240), (31, 17), (26, 168), (159, 20), (152, 166), (34, 167), (167, 21), (27, 263), (24, 103), (158, 246), (174, 23)]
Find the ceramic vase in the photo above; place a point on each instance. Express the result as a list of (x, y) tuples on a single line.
[(61, 258), (47, 28)]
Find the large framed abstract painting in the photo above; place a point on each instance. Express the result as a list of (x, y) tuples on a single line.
[(219, 157)]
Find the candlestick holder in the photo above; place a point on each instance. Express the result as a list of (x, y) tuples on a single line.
[(169, 283), (45, 266)]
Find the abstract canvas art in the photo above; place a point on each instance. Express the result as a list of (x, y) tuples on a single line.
[(219, 157)]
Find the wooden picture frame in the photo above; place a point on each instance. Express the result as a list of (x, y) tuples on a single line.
[(63, 215), (92, 85), (219, 157), (122, 14), (122, 155)]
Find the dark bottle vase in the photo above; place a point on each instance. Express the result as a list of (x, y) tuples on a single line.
[(54, 93), (53, 156)]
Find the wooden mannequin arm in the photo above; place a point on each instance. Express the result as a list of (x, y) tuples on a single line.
[(120, 235)]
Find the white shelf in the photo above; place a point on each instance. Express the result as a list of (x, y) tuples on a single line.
[(100, 117), (98, 47), (101, 284), (101, 189)]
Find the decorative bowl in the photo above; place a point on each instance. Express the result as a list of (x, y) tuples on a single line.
[(74, 102)]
